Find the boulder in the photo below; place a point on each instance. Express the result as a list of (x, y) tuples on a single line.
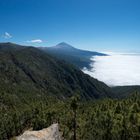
[(50, 133)]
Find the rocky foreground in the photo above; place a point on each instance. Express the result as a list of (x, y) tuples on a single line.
[(50, 133)]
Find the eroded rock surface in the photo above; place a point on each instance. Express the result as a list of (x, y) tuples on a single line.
[(50, 133)]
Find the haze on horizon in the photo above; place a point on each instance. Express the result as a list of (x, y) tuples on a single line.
[(96, 25)]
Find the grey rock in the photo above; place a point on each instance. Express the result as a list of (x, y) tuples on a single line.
[(50, 133)]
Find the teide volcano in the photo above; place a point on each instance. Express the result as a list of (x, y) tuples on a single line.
[(77, 57)]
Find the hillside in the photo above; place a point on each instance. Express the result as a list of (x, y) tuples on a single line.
[(30, 70), (34, 91), (30, 80), (124, 91), (106, 119), (64, 51)]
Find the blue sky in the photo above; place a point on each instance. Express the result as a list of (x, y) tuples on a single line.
[(102, 25)]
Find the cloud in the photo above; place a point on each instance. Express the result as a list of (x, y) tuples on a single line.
[(35, 41), (116, 70), (7, 35)]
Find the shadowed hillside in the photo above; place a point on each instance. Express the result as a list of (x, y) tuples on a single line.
[(28, 69), (124, 91)]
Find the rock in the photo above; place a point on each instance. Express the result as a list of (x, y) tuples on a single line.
[(50, 133)]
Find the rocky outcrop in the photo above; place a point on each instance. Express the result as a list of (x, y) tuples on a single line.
[(50, 133)]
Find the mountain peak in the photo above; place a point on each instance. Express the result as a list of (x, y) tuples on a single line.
[(63, 43), (9, 44), (64, 46)]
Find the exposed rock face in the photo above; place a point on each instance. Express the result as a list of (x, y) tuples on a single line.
[(50, 133)]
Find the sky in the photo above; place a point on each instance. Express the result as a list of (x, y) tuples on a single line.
[(101, 25)]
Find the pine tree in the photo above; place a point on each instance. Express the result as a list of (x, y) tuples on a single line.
[(74, 106)]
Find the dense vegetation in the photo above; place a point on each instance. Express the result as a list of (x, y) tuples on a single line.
[(106, 119), (77, 57)]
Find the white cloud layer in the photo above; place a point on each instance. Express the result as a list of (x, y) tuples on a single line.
[(35, 41), (7, 35), (117, 69)]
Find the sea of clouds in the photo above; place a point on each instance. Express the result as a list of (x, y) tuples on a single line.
[(116, 69)]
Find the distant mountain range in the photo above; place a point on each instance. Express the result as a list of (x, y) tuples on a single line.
[(64, 51), (31, 71)]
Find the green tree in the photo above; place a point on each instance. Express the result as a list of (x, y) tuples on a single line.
[(74, 106)]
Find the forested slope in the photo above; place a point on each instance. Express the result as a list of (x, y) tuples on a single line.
[(36, 90)]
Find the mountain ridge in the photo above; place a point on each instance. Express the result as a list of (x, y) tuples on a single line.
[(29, 69), (77, 57)]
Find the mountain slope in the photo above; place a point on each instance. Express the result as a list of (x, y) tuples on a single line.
[(124, 91), (31, 71), (79, 58)]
